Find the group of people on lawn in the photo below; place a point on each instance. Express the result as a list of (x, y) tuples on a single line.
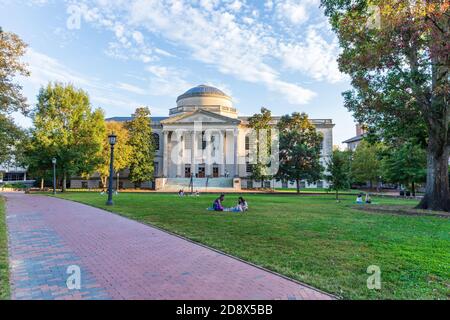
[(359, 199), (241, 206)]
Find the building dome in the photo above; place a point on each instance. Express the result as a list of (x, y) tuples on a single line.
[(207, 98), (203, 91)]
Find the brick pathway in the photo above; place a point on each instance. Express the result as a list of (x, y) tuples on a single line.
[(122, 259)]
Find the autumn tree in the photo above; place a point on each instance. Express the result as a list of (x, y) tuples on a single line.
[(66, 127), (122, 151), (366, 164), (300, 150), (338, 171), (260, 123), (397, 55), (142, 147)]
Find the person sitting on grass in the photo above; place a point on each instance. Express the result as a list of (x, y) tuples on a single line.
[(368, 199), (217, 206), (242, 205), (359, 198)]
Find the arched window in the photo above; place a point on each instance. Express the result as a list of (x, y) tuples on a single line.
[(156, 141)]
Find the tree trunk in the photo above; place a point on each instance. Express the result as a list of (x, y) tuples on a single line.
[(437, 190), (64, 183), (104, 181), (42, 184), (437, 193), (337, 195), (298, 185), (413, 189)]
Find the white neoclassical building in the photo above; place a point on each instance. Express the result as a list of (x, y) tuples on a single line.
[(205, 143)]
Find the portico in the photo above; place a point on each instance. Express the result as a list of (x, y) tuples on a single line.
[(200, 144)]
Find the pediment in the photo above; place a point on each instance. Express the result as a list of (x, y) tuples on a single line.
[(201, 116)]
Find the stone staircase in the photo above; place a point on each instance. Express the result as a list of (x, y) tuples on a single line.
[(200, 184)]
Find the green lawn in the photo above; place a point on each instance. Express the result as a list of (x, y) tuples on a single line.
[(313, 239), (4, 269)]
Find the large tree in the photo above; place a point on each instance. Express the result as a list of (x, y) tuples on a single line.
[(142, 147), (300, 150), (366, 164), (12, 48), (122, 151), (338, 171), (260, 123), (66, 127), (405, 164), (397, 55)]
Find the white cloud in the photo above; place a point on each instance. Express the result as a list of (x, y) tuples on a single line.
[(45, 69), (228, 35), (295, 12), (314, 57)]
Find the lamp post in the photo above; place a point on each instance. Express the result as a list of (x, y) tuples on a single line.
[(112, 141), (54, 175)]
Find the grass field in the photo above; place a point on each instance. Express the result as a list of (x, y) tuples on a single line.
[(313, 239), (4, 269)]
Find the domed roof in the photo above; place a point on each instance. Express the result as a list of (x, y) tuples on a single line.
[(201, 91)]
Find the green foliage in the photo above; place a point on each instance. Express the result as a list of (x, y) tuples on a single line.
[(122, 151), (300, 150), (66, 127), (12, 48), (12, 140), (260, 123), (405, 164), (366, 164), (339, 171), (142, 146)]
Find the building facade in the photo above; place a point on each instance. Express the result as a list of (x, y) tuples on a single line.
[(205, 144)]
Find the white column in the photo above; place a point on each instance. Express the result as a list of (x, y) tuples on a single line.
[(236, 159), (222, 148), (166, 155), (208, 151), (180, 153), (193, 153)]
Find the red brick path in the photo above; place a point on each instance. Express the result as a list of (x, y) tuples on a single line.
[(123, 259)]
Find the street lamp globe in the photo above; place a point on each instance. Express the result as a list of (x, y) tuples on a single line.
[(112, 139), (54, 160)]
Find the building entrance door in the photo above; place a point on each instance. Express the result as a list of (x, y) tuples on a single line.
[(187, 171), (201, 171), (215, 172)]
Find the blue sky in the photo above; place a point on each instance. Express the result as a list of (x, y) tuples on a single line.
[(126, 53)]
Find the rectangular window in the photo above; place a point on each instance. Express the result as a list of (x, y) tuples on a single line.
[(187, 171), (156, 168), (247, 143), (84, 185), (248, 167)]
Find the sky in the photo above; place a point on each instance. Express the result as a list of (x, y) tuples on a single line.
[(278, 54)]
